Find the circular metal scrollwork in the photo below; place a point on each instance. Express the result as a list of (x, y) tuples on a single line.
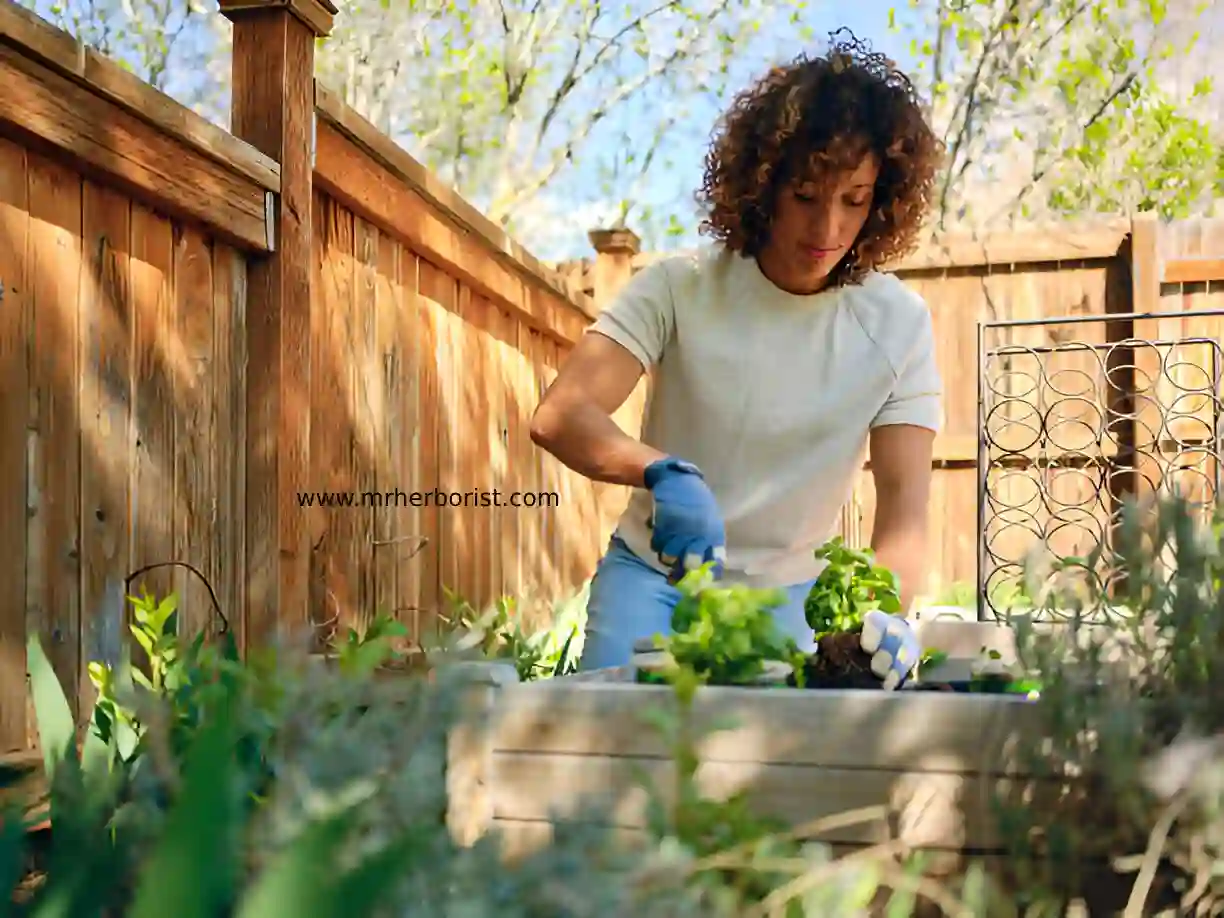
[(1068, 431)]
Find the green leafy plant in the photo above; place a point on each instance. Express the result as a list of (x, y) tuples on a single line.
[(351, 822), (1004, 595), (498, 634), (195, 868), (361, 653), (704, 825), (851, 584), (350, 817), (725, 634), (181, 682)]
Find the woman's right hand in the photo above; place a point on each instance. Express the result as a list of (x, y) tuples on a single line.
[(686, 527)]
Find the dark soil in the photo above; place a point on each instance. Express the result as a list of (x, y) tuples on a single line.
[(839, 662)]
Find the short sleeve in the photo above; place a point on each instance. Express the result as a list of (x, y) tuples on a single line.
[(917, 394), (640, 317)]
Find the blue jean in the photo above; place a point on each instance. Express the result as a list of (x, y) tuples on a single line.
[(629, 600)]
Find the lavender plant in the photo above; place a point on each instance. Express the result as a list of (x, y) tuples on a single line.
[(1123, 808)]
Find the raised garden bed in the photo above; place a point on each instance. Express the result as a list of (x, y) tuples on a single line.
[(930, 761)]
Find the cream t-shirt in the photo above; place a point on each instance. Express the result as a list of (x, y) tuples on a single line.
[(771, 395)]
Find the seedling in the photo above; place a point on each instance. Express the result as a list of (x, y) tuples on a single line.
[(851, 584), (725, 634)]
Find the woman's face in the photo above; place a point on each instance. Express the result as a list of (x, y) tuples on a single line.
[(815, 224)]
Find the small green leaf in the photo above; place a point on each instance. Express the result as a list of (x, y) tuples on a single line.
[(56, 730)]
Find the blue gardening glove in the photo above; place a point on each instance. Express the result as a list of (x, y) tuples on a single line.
[(686, 527), (893, 646)]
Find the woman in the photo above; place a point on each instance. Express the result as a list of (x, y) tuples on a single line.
[(777, 356)]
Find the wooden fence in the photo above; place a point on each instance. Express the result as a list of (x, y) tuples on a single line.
[(196, 329), (1104, 267)]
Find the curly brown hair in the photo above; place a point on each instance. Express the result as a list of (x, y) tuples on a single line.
[(807, 119)]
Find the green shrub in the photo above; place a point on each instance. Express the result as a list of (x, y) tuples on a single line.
[(1128, 760)]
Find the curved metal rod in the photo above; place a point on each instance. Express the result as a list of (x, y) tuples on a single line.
[(212, 594)]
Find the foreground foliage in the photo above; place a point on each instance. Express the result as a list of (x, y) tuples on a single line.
[(208, 784), (1125, 808)]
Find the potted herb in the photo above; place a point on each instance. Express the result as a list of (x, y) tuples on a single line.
[(849, 609)]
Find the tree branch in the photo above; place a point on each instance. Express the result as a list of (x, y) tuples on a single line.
[(1040, 173), (970, 98), (500, 208)]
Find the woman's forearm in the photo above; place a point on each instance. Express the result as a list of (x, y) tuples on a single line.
[(899, 542), (586, 439), (905, 555)]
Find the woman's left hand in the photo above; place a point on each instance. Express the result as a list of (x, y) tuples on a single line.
[(893, 646)]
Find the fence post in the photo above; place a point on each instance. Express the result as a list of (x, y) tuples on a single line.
[(614, 251), (1147, 388), (273, 110)]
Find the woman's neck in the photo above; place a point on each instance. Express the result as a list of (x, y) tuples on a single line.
[(790, 281)]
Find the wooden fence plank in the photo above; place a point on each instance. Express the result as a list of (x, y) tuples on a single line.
[(366, 412), (110, 80), (15, 333), (345, 530), (388, 422), (194, 433), (477, 445), (440, 293), (54, 587), (228, 395), (513, 418), (154, 498), (1199, 269), (106, 405), (432, 419), (409, 331), (329, 399)]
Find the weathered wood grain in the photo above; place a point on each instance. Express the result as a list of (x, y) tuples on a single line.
[(922, 808), (830, 729), (15, 370), (38, 106), (347, 173), (106, 427), (60, 51), (53, 598)]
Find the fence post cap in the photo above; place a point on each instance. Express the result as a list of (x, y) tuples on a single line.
[(317, 15), (615, 241)]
